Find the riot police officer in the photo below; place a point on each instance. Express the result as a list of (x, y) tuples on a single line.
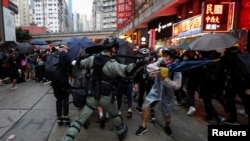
[(103, 85)]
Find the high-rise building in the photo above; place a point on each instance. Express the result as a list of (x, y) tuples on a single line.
[(70, 15), (22, 18), (52, 14), (104, 14)]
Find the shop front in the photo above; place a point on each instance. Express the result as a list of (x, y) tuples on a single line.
[(160, 31)]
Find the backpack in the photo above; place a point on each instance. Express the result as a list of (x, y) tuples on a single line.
[(79, 87), (52, 67), (243, 66)]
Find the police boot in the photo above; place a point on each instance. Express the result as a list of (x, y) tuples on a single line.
[(102, 122), (124, 132)]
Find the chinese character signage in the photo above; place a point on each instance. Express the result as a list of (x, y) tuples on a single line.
[(218, 17), (123, 12), (188, 27)]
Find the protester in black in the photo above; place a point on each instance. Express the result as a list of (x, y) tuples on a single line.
[(61, 87)]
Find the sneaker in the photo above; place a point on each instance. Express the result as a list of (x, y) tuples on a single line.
[(124, 133), (119, 113), (139, 109), (220, 120), (102, 122), (66, 120), (135, 97), (177, 103), (242, 112), (168, 130), (231, 122), (13, 88), (59, 121), (191, 111), (129, 114), (86, 125), (141, 131), (152, 118)]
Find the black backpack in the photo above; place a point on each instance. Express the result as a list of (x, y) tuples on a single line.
[(79, 86), (52, 67), (243, 66)]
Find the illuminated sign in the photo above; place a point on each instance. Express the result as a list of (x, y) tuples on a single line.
[(218, 17), (190, 26)]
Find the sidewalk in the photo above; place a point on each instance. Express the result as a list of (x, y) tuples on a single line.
[(29, 113)]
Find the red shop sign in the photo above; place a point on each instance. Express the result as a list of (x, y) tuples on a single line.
[(123, 12), (218, 17), (244, 22)]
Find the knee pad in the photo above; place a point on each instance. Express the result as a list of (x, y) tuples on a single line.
[(117, 120), (74, 128), (77, 125)]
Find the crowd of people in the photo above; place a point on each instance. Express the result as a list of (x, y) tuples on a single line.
[(20, 67), (152, 80)]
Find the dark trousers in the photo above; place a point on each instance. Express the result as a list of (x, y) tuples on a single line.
[(124, 88), (144, 88), (62, 101), (232, 89), (207, 96)]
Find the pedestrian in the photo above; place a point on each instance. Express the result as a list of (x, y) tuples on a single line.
[(162, 92), (146, 83), (212, 86), (14, 67), (102, 87), (235, 85), (124, 91), (61, 86)]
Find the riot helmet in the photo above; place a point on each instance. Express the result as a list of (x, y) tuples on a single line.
[(109, 43)]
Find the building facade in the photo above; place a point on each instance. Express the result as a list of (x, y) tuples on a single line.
[(104, 14), (52, 14), (22, 18)]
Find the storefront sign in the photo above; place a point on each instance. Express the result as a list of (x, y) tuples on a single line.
[(218, 17), (13, 7), (244, 22), (187, 27), (123, 12)]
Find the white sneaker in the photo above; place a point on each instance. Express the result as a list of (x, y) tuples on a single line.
[(177, 103), (13, 88), (242, 112), (119, 113), (191, 111)]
